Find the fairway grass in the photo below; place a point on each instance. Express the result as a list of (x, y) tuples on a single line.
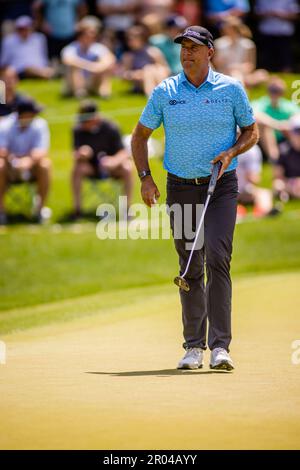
[(108, 380), (39, 265)]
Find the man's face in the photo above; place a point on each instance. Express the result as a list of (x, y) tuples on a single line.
[(193, 56), (135, 41), (25, 119), (90, 124), (88, 36), (275, 93), (24, 32)]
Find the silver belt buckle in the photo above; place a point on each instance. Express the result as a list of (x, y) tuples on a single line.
[(197, 181)]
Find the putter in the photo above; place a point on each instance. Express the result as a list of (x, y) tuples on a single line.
[(180, 281)]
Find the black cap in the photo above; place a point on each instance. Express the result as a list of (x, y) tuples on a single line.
[(197, 34), (28, 105), (88, 109)]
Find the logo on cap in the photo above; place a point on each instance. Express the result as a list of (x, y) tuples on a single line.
[(190, 32)]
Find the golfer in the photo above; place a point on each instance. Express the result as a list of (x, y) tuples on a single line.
[(200, 110)]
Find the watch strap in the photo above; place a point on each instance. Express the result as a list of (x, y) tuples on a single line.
[(144, 173)]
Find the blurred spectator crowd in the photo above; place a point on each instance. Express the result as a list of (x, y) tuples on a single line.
[(87, 43), (96, 39)]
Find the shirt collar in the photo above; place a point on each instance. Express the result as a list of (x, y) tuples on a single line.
[(210, 77)]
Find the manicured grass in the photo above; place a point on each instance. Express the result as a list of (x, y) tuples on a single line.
[(41, 265), (108, 380)]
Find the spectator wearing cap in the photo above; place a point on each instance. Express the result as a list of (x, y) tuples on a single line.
[(58, 19), (26, 51), (276, 29), (272, 112), (98, 153), (24, 144), (164, 41), (287, 170), (89, 64), (200, 110), (9, 77), (236, 53), (143, 65)]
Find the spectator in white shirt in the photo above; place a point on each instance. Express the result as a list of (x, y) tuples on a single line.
[(26, 51), (89, 64)]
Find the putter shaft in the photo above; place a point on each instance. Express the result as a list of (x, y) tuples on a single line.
[(180, 281)]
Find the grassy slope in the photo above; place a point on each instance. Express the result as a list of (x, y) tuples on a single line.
[(44, 266)]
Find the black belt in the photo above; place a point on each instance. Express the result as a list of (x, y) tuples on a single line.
[(195, 181)]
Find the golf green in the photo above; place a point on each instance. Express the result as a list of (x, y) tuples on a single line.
[(109, 380)]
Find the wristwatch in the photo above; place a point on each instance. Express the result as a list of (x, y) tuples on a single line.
[(144, 173)]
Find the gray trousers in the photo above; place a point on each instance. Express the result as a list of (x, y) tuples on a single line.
[(212, 301)]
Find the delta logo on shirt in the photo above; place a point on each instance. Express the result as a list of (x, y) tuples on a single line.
[(215, 101)]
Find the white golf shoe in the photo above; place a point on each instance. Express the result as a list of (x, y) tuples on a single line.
[(193, 359), (220, 360)]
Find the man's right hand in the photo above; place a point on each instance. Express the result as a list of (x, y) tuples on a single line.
[(149, 191)]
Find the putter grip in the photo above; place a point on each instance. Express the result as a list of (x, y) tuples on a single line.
[(214, 176)]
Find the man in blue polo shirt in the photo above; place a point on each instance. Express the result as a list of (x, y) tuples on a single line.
[(200, 110)]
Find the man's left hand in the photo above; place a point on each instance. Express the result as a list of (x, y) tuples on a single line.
[(226, 158)]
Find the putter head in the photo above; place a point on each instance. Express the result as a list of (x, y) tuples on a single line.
[(181, 283)]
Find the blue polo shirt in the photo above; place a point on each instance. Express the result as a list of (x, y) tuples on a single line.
[(199, 122), (222, 6), (21, 142), (61, 16)]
